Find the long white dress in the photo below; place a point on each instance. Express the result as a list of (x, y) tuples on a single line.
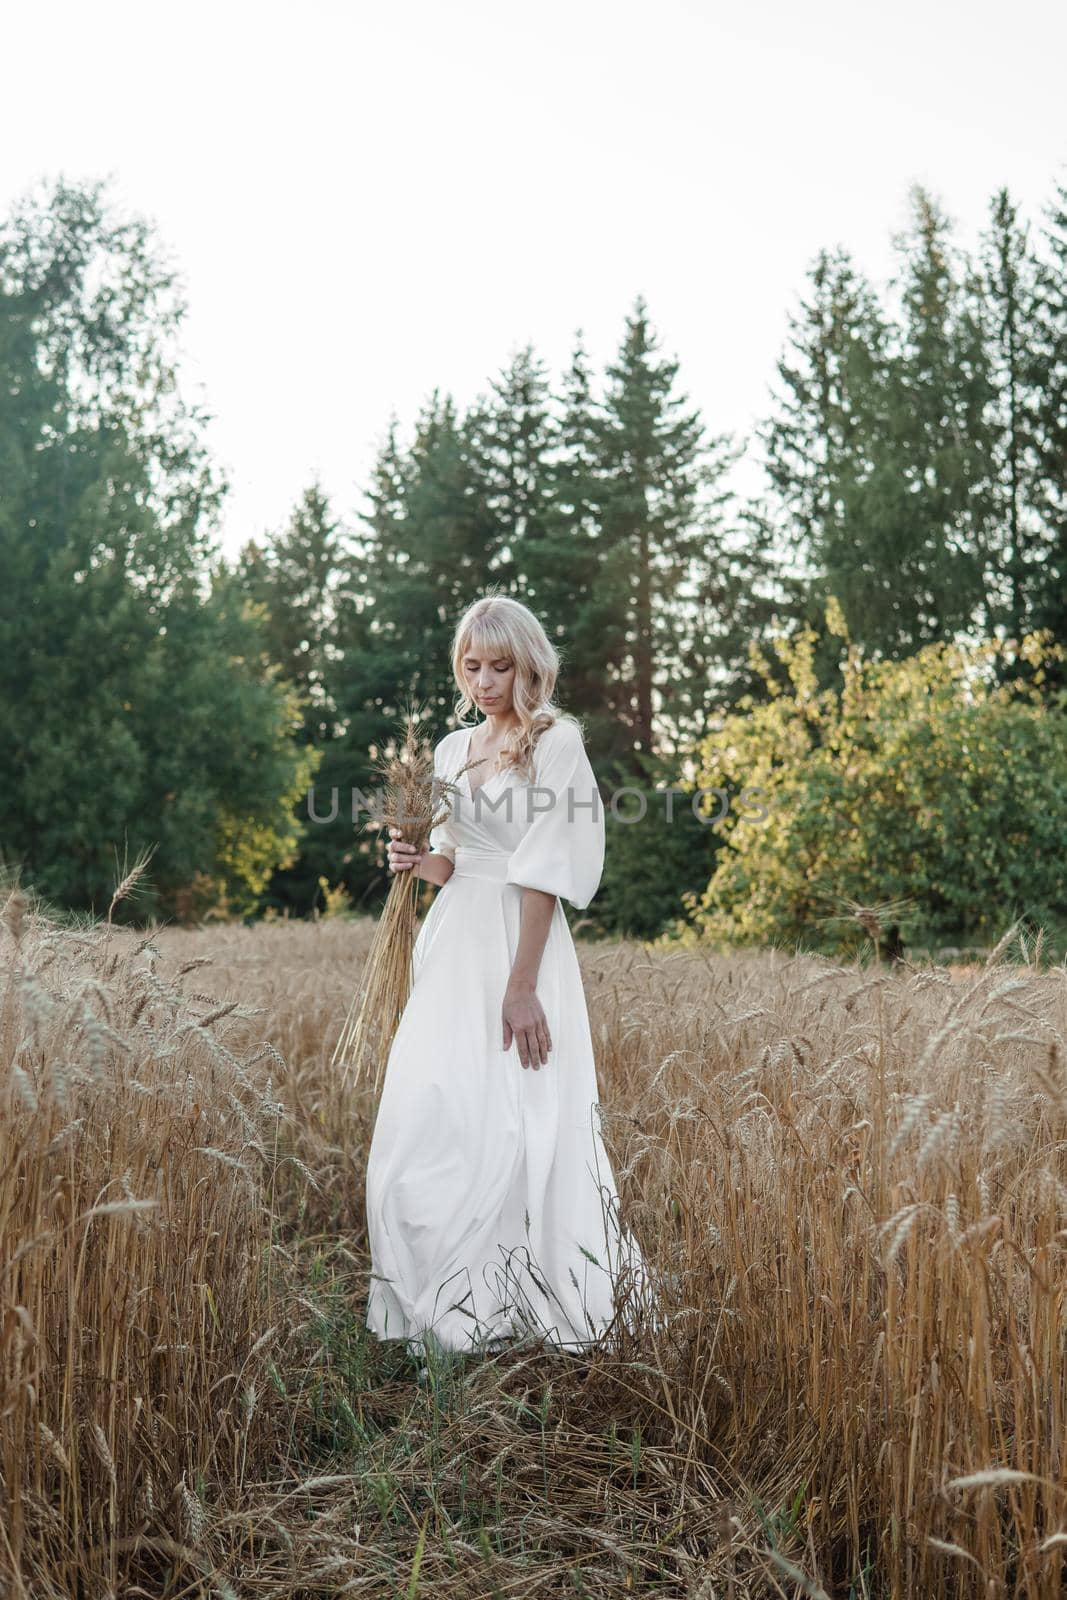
[(491, 1203)]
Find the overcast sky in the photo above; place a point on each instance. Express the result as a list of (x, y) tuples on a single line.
[(368, 200)]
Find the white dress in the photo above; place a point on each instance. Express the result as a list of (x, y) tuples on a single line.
[(491, 1203)]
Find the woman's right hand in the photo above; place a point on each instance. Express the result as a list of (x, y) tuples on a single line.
[(403, 857)]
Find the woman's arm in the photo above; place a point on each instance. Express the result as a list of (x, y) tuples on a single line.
[(522, 1013)]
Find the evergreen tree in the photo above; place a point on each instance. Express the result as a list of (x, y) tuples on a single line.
[(663, 570), (294, 580), (511, 437), (430, 543), (1008, 285), (828, 456), (427, 546), (293, 576), (944, 440), (884, 448), (1050, 604), (563, 571)]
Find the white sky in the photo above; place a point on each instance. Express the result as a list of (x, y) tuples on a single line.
[(368, 200)]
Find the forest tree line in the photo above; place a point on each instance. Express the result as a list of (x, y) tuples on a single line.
[(155, 695)]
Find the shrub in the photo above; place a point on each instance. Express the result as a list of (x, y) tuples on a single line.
[(926, 779)]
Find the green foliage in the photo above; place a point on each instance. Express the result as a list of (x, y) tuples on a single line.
[(916, 451), (427, 544), (676, 586), (656, 851), (917, 466), (295, 579), (137, 709), (292, 576), (945, 536), (1050, 404), (833, 489), (602, 512), (1008, 277), (923, 779)]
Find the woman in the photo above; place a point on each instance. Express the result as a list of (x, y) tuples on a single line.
[(491, 1202)]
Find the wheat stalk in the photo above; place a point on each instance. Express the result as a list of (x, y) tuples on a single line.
[(409, 803), (873, 919)]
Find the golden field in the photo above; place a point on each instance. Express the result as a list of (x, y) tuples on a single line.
[(851, 1184)]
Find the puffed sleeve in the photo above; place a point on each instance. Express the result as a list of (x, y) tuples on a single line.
[(443, 838), (562, 850)]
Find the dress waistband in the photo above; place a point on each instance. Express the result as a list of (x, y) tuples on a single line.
[(482, 863)]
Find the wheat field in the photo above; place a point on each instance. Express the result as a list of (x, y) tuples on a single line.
[(851, 1184)]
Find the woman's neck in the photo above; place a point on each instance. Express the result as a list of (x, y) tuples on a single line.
[(497, 728)]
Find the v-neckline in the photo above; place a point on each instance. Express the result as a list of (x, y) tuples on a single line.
[(471, 791)]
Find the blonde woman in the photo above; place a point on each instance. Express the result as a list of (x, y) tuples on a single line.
[(491, 1202)]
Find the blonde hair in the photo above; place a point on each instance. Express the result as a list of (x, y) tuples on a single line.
[(501, 626)]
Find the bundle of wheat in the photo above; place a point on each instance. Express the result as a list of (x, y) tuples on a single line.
[(881, 922), (410, 802)]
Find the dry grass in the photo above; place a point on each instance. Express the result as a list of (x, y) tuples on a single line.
[(852, 1182)]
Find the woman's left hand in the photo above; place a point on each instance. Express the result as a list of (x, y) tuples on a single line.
[(524, 1021)]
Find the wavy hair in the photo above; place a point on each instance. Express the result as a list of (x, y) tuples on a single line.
[(501, 626)]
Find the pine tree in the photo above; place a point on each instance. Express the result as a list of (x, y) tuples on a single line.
[(1050, 602), (885, 447), (563, 570), (660, 556), (292, 576), (426, 545), (429, 543), (511, 436), (943, 437), (1008, 283), (828, 457)]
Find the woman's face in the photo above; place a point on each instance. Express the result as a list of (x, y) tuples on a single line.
[(490, 680)]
